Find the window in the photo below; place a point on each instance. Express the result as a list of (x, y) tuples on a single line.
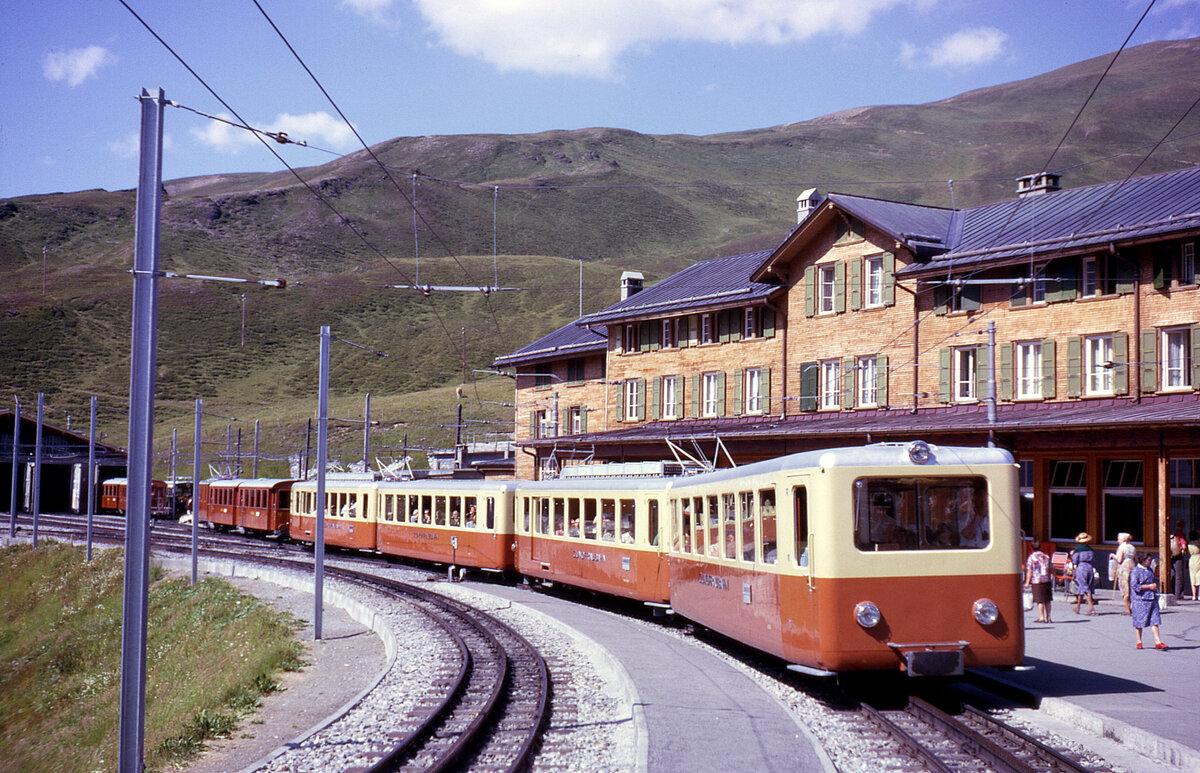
[(1184, 478), (575, 420), (766, 509), (709, 394), (831, 384), (921, 514), (630, 344), (1090, 284), (965, 365), (873, 268), (868, 381), (1123, 499), (575, 370), (538, 425), (827, 288), (800, 526), (1177, 358), (668, 333), (1068, 499), (670, 397), (1026, 504), (1187, 263), (752, 389), (542, 379), (749, 323), (1029, 370), (706, 329), (633, 399), (1037, 289), (1098, 365)]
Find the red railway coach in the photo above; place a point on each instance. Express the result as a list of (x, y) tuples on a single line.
[(454, 522), (350, 520), (601, 533), (113, 493), (264, 505), (216, 503), (883, 557)]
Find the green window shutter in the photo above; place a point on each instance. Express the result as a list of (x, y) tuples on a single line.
[(881, 380), (722, 326), (686, 328), (696, 397), (983, 372), (737, 321), (564, 423), (765, 399), (1006, 376), (1020, 291), (856, 284), (1065, 285), (655, 335), (970, 297), (848, 393), (738, 381), (1049, 370), (768, 322), (1162, 262), (839, 286), (808, 386), (889, 279), (656, 399), (621, 401), (1120, 363), (941, 299), (1125, 274), (1196, 357), (533, 425), (721, 393), (644, 337), (1074, 366), (1149, 360), (945, 373), (583, 412), (641, 399), (810, 291)]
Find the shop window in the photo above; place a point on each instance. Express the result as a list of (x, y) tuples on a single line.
[(1068, 499), (1124, 499), (1184, 478), (1026, 501)]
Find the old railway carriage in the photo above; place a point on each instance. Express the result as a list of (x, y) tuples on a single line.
[(114, 492), (599, 533), (454, 522), (349, 518), (218, 503), (880, 557)]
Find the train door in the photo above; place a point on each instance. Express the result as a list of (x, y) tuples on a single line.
[(541, 528)]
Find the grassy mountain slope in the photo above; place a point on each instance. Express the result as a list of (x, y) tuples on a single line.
[(612, 198)]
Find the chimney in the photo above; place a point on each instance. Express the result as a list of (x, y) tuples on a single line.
[(806, 204), (1037, 184), (631, 283)]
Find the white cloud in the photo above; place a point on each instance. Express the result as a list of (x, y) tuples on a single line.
[(75, 66), (586, 37), (961, 50), (317, 129), (374, 10)]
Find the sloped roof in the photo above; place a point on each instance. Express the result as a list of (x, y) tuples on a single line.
[(568, 341), (715, 283)]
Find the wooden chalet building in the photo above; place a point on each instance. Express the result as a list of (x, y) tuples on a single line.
[(877, 320)]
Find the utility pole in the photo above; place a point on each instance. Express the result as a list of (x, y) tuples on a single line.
[(319, 528), (367, 434), (991, 384), (91, 478), (132, 727), (196, 489), (16, 445)]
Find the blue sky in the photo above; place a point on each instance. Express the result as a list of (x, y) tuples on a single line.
[(70, 70)]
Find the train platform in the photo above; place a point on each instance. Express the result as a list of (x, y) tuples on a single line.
[(1089, 676)]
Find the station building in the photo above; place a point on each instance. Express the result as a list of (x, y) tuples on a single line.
[(1061, 324)]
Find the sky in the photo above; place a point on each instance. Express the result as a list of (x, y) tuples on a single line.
[(70, 70)]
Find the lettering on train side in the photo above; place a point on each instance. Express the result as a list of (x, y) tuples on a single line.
[(429, 535), (587, 555), (711, 580)]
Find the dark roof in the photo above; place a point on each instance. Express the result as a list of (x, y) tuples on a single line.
[(568, 341), (1154, 412), (715, 283), (1063, 221), (923, 229)]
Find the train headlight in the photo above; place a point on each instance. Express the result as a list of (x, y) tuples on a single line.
[(918, 452), (867, 614), (986, 612)]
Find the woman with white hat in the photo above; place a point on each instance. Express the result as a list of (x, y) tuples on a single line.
[(1126, 560), (1085, 572)]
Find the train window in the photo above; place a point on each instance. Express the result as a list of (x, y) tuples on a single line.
[(528, 505), (698, 520), (439, 511), (921, 514), (589, 519), (608, 518), (729, 511), (714, 527), (471, 519), (652, 525), (543, 526), (801, 514), (560, 516), (456, 511), (746, 512), (627, 521), (389, 504), (427, 510), (285, 500), (766, 509), (573, 517), (491, 513)]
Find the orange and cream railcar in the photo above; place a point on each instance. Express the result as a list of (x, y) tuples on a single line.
[(350, 518), (454, 522), (264, 505), (883, 557), (599, 533), (113, 493), (217, 503)]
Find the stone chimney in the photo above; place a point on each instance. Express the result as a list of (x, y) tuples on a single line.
[(807, 203), (631, 283), (1037, 184)]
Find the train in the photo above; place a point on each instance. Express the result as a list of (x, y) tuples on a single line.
[(113, 498), (901, 557)]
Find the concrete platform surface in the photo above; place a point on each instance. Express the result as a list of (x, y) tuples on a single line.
[(1089, 675)]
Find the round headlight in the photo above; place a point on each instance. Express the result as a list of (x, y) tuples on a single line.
[(985, 611), (867, 614), (918, 452)]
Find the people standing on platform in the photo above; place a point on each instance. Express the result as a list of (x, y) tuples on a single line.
[(1083, 558), (1145, 600), (1126, 560), (1194, 561), (1037, 579), (1179, 560)]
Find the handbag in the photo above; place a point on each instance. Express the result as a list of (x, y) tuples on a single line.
[(1027, 599)]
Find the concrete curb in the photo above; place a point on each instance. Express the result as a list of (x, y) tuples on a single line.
[(1142, 741)]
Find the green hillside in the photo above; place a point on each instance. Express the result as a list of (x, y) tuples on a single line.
[(611, 198)]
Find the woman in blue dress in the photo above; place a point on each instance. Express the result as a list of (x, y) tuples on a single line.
[(1143, 592), (1084, 574)]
